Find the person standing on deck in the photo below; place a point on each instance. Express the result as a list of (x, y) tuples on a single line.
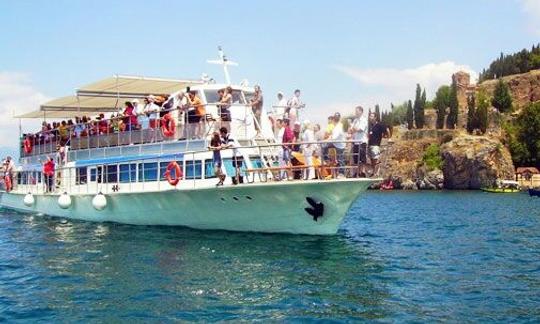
[(279, 139), (151, 110), (142, 119), (339, 137), (287, 140), (237, 160), (256, 106), (197, 115), (376, 132), (48, 173), (281, 106), (9, 171), (308, 137), (215, 147), (293, 107), (224, 107), (359, 131)]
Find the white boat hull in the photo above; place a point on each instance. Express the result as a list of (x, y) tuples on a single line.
[(277, 207)]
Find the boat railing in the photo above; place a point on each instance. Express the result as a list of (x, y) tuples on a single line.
[(107, 133), (260, 163)]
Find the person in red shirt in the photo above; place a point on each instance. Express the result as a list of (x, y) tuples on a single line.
[(48, 172), (130, 116), (288, 137)]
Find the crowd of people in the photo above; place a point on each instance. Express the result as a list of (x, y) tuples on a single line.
[(351, 152), (345, 152)]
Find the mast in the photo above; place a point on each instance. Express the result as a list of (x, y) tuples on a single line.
[(225, 63)]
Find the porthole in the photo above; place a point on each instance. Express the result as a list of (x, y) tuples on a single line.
[(235, 198), (249, 198)]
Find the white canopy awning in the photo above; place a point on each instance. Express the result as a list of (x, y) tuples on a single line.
[(107, 95)]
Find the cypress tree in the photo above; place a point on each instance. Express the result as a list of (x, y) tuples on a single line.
[(423, 102), (377, 112), (482, 112), (451, 121), (471, 114), (410, 115), (501, 97), (440, 103), (417, 107)]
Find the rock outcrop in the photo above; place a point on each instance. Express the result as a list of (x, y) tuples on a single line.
[(472, 162), (469, 161), (524, 88)]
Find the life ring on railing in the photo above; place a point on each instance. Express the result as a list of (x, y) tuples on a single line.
[(7, 183), (177, 173), (168, 125), (27, 145)]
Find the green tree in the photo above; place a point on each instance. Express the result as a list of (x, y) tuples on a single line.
[(377, 112), (440, 103), (471, 114), (451, 121), (410, 115), (524, 136), (419, 108), (501, 97), (481, 116)]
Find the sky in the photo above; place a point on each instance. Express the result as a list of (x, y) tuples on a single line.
[(340, 53)]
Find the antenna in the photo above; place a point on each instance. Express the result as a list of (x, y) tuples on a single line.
[(225, 63)]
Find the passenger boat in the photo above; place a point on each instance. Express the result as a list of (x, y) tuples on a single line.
[(504, 186), (153, 176)]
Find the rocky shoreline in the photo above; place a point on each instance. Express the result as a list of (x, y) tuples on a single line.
[(466, 161)]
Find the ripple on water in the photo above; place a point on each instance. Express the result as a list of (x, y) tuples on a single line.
[(430, 256)]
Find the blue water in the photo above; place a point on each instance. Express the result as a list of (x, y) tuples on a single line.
[(429, 256)]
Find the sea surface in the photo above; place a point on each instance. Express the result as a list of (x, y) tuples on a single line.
[(398, 257)]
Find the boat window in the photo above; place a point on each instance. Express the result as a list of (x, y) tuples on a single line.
[(148, 172), (80, 175), (96, 174), (19, 178), (213, 97), (163, 169), (112, 174), (193, 169), (209, 171), (230, 169), (128, 172)]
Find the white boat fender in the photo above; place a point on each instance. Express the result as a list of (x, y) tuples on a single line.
[(64, 201), (28, 200), (99, 201)]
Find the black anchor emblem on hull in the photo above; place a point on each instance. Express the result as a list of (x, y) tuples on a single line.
[(316, 210)]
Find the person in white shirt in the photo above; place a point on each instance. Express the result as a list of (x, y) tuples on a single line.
[(151, 110), (338, 135), (142, 119), (308, 137), (359, 131), (293, 107), (280, 106)]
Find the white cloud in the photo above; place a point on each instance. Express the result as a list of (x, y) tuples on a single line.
[(388, 85), (531, 8), (17, 96)]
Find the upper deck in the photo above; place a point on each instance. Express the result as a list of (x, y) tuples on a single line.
[(79, 129)]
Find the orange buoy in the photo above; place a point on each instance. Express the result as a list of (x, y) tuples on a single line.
[(177, 173), (168, 125)]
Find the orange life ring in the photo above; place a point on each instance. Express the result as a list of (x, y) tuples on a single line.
[(168, 125), (177, 172), (7, 183), (27, 143)]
